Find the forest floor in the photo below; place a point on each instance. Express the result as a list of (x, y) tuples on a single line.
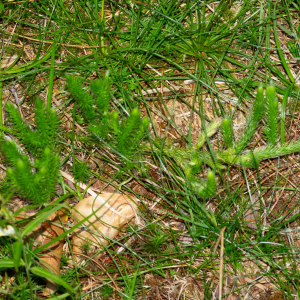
[(184, 64)]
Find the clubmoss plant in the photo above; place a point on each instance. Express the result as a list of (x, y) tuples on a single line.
[(125, 136), (227, 132), (31, 172), (272, 116), (253, 119), (94, 104), (81, 171), (264, 108)]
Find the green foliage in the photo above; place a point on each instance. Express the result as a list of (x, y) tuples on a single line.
[(155, 239), (272, 116), (81, 171), (123, 136), (204, 189), (267, 107), (227, 132), (106, 292), (294, 48), (191, 160), (17, 252), (50, 276), (32, 176), (131, 132), (253, 119), (45, 134), (132, 284), (211, 129), (85, 100)]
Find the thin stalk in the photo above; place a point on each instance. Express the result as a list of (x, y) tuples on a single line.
[(73, 136), (282, 119), (50, 89), (267, 41), (1, 117)]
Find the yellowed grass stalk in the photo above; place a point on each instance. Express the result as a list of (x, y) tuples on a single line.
[(221, 263)]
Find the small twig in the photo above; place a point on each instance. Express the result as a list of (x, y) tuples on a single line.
[(158, 73), (216, 245), (11, 35), (14, 92)]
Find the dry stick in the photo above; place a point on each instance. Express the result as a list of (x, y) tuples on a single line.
[(11, 35), (217, 244), (15, 94), (221, 263), (158, 73)]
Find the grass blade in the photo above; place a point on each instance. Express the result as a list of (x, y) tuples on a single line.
[(282, 116), (279, 51), (17, 248), (51, 77), (9, 263), (48, 275)]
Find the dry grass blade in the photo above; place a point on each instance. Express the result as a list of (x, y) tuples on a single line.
[(221, 263)]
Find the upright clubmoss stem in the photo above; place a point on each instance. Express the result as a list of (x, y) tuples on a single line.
[(272, 115)]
